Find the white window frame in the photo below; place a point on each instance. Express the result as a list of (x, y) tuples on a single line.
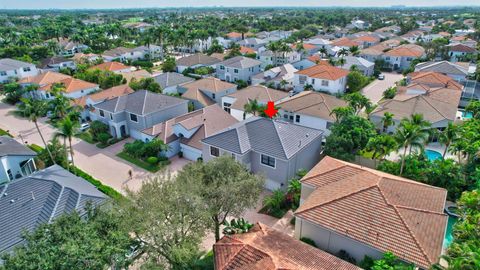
[(132, 119)]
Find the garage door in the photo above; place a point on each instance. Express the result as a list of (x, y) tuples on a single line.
[(271, 185), (191, 154)]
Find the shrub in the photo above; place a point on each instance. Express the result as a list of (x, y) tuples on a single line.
[(36, 148), (241, 84), (344, 255), (308, 241), (152, 160), (103, 138), (97, 127), (390, 93), (112, 193)]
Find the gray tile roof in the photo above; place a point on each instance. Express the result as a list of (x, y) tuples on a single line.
[(53, 61), (443, 67), (10, 147), (11, 64), (28, 202), (197, 59), (271, 137), (140, 102), (240, 62), (171, 79)]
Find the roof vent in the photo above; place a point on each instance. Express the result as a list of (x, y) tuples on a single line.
[(12, 201), (5, 194), (306, 135)]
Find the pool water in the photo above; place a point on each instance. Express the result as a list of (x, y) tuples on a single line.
[(467, 115), (448, 235), (433, 155)]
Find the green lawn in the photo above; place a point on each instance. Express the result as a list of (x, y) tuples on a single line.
[(4, 132), (140, 163)]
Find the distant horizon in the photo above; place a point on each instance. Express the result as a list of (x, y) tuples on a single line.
[(163, 4)]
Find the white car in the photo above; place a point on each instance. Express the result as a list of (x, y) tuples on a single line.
[(84, 126), (381, 77)]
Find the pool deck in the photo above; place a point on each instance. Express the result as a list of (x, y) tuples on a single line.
[(395, 156)]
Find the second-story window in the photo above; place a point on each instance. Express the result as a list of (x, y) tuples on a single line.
[(267, 160), (222, 67), (133, 117), (324, 83), (235, 70), (102, 113), (297, 118), (214, 151), (213, 95), (26, 69)]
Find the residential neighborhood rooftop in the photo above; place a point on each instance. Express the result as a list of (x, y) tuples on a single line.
[(259, 93), (264, 248), (325, 72), (10, 64), (197, 59), (365, 200), (10, 147), (240, 62)]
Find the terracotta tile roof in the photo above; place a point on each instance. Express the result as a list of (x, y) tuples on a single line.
[(72, 85), (367, 39), (318, 60), (325, 72), (246, 50), (387, 212), (434, 79), (209, 84), (208, 120), (234, 35), (306, 46), (313, 103), (444, 34), (260, 93), (45, 78), (111, 66), (461, 48), (345, 42), (407, 50), (264, 248), (103, 95)]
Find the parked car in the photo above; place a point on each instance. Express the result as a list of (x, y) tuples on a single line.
[(381, 77), (84, 126)]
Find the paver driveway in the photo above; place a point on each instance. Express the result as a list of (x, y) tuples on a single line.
[(100, 163), (374, 91)]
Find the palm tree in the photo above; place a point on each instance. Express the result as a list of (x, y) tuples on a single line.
[(274, 47), (341, 61), (410, 135), (354, 50), (447, 136), (323, 51), (34, 109), (343, 52), (341, 112), (381, 146), (387, 120), (252, 107), (68, 129)]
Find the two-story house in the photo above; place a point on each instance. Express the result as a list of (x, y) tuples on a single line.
[(169, 81), (129, 115), (184, 134), (253, 43), (275, 149), (56, 63), (72, 88), (321, 77), (401, 57), (279, 77), (238, 68), (365, 212), (16, 160), (461, 52), (310, 109), (11, 69), (85, 103), (235, 103), (457, 71), (122, 54), (195, 61), (205, 92), (364, 66), (269, 58)]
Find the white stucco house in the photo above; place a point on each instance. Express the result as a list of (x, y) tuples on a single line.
[(11, 69), (16, 160), (321, 77)]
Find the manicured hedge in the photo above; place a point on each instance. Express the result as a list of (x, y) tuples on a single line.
[(36, 148)]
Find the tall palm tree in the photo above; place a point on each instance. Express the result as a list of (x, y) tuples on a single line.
[(341, 61), (447, 136), (274, 47), (410, 135), (323, 51), (252, 107), (68, 129), (381, 146), (343, 52), (341, 112), (387, 120), (34, 109)]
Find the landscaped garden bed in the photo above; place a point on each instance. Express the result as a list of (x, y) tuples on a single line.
[(146, 155)]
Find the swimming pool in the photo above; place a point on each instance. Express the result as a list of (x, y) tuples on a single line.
[(467, 115), (432, 155), (448, 235)]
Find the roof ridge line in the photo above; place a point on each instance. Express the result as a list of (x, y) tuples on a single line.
[(336, 199), (343, 165), (426, 100), (144, 101), (419, 210), (405, 224), (56, 204), (277, 133)]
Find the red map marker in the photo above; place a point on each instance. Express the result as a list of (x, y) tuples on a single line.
[(270, 111)]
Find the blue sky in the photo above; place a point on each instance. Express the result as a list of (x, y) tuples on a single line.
[(86, 4)]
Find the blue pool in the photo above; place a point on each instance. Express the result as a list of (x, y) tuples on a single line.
[(448, 235), (467, 115), (433, 155)]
